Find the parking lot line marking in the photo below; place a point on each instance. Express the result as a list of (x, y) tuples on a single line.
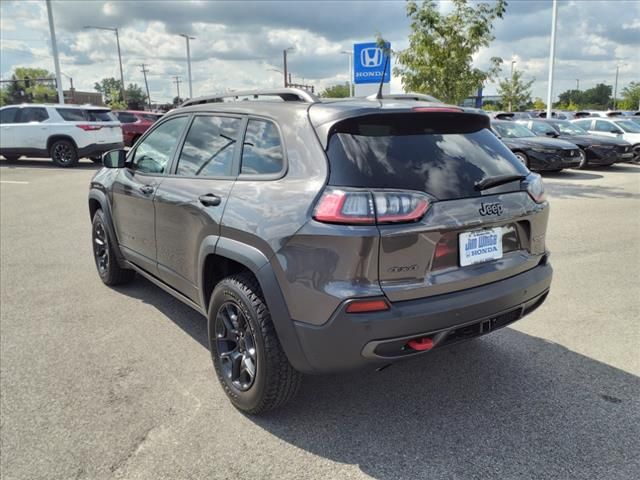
[(14, 181)]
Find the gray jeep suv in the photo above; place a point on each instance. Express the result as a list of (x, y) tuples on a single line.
[(324, 236)]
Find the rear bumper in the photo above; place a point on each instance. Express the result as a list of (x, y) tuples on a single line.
[(97, 149), (350, 341)]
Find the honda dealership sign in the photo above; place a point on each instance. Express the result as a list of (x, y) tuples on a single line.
[(369, 61)]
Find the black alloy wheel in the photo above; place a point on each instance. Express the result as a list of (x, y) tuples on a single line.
[(100, 247), (236, 346)]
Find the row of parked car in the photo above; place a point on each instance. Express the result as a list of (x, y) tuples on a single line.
[(553, 144), (66, 133)]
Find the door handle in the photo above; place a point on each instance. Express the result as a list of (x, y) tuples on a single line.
[(147, 189), (210, 200)]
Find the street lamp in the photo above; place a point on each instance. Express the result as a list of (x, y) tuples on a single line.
[(350, 58), (187, 37), (513, 62), (284, 56), (124, 97)]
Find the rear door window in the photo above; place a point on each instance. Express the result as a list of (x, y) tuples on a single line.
[(8, 115), (262, 149), (72, 114), (604, 126), (125, 117), (32, 114), (444, 158), (209, 147)]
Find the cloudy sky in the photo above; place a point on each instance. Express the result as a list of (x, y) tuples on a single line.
[(238, 43)]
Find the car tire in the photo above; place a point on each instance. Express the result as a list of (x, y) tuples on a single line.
[(523, 158), (247, 356), (11, 158), (96, 159), (584, 163), (64, 153), (111, 273)]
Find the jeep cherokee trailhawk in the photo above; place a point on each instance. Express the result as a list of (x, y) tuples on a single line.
[(320, 236)]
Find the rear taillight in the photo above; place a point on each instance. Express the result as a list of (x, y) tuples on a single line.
[(89, 128), (535, 188), (367, 207)]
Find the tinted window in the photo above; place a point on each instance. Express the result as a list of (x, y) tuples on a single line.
[(8, 115), (72, 114), (512, 130), (100, 116), (262, 150), (32, 114), (209, 146), (444, 164), (541, 128), (150, 117), (125, 117), (602, 126), (155, 151)]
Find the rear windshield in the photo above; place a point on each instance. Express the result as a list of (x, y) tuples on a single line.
[(443, 159), (82, 115)]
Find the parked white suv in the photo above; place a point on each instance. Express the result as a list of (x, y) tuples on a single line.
[(617, 127), (63, 133)]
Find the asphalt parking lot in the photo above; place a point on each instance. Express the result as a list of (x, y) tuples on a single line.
[(100, 383)]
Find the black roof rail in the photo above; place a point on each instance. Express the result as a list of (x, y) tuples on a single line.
[(286, 94)]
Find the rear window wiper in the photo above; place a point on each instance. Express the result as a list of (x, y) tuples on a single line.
[(489, 182)]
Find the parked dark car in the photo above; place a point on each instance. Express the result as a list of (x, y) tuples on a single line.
[(323, 236), (537, 153), (595, 150), (135, 123)]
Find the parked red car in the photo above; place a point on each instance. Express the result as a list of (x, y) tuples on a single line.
[(135, 123)]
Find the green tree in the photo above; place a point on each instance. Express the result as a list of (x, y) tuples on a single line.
[(177, 101), (538, 104), (110, 90), (596, 98), (515, 92), (25, 87), (136, 98), (438, 60), (630, 97), (337, 91)]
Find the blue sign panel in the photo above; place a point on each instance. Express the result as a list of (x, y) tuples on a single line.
[(368, 63)]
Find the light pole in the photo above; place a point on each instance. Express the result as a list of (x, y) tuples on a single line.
[(513, 62), (54, 47), (275, 70), (615, 88), (552, 55), (124, 96), (350, 57), (187, 37), (284, 57)]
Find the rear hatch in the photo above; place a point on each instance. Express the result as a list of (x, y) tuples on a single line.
[(480, 224), (107, 127)]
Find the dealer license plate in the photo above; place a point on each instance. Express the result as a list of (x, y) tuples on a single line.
[(480, 246)]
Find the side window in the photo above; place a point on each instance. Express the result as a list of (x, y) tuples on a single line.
[(209, 146), (8, 115), (72, 114), (602, 126), (125, 117), (32, 114), (586, 124), (155, 151), (262, 149), (538, 128)]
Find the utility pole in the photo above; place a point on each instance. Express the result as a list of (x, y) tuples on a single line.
[(144, 72), (187, 37), (350, 58), (512, 87), (578, 84), (552, 54), (177, 81), (54, 48), (122, 89)]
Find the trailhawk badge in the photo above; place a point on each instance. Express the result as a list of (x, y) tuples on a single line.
[(490, 209)]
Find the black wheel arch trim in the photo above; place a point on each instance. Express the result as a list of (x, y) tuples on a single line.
[(57, 137), (101, 198), (258, 263)]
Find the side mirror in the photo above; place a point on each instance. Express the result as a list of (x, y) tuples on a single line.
[(551, 134), (616, 131), (114, 158)]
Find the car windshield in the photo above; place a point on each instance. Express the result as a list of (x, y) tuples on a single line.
[(568, 128), (512, 130), (628, 126)]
